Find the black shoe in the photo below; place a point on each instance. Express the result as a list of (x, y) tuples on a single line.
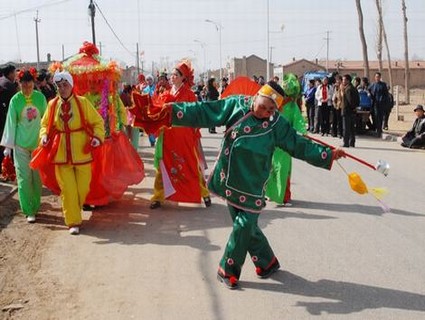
[(230, 282), (263, 274), (207, 201), (344, 146), (155, 205), (88, 207)]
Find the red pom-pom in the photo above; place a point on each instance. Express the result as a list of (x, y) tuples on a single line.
[(233, 280), (89, 49), (258, 270)]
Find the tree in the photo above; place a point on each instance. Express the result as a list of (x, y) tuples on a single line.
[(384, 35), (379, 47), (406, 54), (363, 39)]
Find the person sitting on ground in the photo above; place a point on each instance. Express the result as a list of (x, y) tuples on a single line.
[(415, 137)]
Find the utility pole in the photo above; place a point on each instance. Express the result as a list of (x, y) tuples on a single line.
[(327, 50), (92, 12), (100, 48), (37, 20), (268, 42), (137, 58)]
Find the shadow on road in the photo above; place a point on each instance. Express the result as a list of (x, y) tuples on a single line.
[(348, 297), (352, 208)]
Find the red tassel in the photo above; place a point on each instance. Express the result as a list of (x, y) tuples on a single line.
[(258, 270), (233, 280)]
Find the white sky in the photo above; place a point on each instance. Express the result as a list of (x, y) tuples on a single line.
[(166, 29)]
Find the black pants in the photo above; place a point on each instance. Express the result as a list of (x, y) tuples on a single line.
[(336, 122), (349, 132), (325, 111)]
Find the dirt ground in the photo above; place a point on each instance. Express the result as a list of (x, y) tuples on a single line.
[(24, 287), (22, 282)]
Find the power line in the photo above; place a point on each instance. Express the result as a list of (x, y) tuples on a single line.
[(32, 9), (113, 32)]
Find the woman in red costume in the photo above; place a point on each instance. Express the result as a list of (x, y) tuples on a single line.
[(179, 175)]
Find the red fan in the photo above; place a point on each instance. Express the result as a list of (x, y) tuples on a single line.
[(241, 85), (150, 113)]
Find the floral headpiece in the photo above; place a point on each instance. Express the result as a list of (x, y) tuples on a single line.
[(31, 71)]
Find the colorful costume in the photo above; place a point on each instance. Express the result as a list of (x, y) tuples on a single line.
[(117, 164), (278, 185), (21, 135), (75, 122), (179, 176), (242, 169)]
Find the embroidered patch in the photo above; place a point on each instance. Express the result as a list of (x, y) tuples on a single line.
[(254, 258), (247, 129), (230, 262), (228, 193), (324, 155), (242, 199), (258, 203), (265, 124), (226, 151), (180, 114), (222, 175), (234, 133)]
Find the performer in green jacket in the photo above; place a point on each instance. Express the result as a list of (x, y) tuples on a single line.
[(279, 183), (254, 129), (26, 109)]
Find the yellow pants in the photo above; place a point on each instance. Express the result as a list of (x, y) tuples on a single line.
[(158, 187), (74, 182)]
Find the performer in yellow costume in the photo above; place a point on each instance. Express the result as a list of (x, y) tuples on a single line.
[(74, 127)]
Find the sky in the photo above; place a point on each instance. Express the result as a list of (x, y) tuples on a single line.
[(169, 30)]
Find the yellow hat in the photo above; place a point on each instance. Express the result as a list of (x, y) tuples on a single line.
[(269, 92)]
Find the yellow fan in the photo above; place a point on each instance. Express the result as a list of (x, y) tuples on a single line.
[(357, 184)]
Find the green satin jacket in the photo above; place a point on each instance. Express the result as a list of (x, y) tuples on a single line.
[(244, 162)]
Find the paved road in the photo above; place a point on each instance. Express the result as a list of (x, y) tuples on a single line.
[(341, 255)]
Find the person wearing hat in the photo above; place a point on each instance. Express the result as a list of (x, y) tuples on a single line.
[(178, 153), (74, 128), (279, 183), (26, 109), (242, 168), (415, 137)]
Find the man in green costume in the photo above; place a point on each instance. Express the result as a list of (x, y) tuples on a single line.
[(253, 130)]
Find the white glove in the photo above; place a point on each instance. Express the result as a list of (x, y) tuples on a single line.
[(95, 142), (7, 152), (44, 140)]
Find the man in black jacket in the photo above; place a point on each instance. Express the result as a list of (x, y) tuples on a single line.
[(349, 103), (415, 137)]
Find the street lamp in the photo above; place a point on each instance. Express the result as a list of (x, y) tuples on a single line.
[(203, 45), (218, 27), (92, 11)]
